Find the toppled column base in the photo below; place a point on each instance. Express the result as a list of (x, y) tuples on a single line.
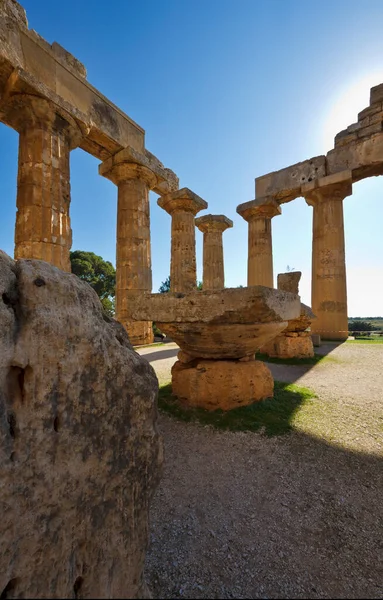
[(221, 384), (290, 345)]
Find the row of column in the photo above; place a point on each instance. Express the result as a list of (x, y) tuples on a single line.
[(183, 205), (329, 291), (43, 230)]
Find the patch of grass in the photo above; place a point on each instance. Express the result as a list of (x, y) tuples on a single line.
[(366, 341), (155, 345), (296, 361), (274, 416)]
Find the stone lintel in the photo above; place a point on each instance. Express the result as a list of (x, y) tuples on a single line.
[(182, 200), (209, 223), (336, 187), (285, 185), (266, 207), (131, 164)]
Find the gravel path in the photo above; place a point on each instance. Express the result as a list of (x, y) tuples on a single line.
[(240, 515)]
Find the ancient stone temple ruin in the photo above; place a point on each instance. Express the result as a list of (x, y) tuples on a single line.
[(324, 182), (218, 330), (46, 97), (80, 455)]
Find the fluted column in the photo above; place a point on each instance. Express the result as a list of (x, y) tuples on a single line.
[(212, 227), (43, 228), (258, 213), (182, 205), (133, 252), (329, 287)]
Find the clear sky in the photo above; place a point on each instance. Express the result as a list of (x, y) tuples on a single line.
[(227, 90)]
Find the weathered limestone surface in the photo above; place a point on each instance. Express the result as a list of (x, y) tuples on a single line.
[(220, 324), (43, 228), (285, 346), (80, 455), (219, 384), (329, 290), (285, 185), (135, 175), (294, 341), (182, 205), (289, 282), (212, 227), (258, 213)]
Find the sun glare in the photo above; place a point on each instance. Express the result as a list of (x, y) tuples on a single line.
[(345, 110)]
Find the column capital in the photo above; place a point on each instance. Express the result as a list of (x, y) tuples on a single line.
[(333, 187), (183, 200), (266, 207), (209, 223), (26, 110), (129, 164)]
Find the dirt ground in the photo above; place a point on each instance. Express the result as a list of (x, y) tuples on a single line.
[(241, 515)]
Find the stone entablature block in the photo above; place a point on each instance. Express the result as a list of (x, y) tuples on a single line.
[(30, 65)]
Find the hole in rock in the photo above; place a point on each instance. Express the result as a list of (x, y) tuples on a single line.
[(39, 282), (6, 299), (77, 586), (9, 590), (15, 383), (12, 424), (56, 424)]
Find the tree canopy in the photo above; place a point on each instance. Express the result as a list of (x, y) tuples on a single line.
[(99, 273), (165, 286)]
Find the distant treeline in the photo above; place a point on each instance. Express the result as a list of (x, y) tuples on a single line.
[(366, 318)]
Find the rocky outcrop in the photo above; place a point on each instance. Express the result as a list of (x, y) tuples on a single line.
[(80, 455)]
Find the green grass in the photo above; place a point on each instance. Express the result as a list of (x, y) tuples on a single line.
[(364, 340), (155, 345), (317, 358), (274, 416)]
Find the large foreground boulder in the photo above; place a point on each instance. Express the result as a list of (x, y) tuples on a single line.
[(80, 455)]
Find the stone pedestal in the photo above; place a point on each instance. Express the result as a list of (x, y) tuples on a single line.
[(329, 291), (133, 256), (43, 228), (294, 341), (212, 227), (290, 345), (258, 213), (182, 205), (218, 333), (221, 384)]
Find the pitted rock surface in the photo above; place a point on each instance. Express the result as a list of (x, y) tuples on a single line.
[(80, 456)]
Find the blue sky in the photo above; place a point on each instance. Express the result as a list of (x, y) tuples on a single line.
[(227, 90)]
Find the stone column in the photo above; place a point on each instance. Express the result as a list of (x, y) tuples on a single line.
[(258, 213), (43, 228), (133, 252), (182, 205), (329, 290), (212, 227)]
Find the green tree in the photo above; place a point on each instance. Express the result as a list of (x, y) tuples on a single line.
[(99, 273), (360, 326), (165, 286)]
